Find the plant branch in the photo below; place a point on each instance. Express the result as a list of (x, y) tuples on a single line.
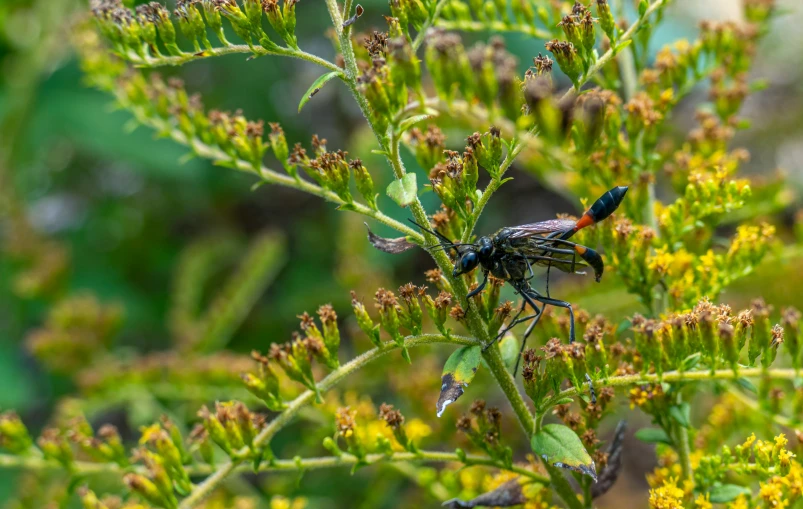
[(603, 60), (254, 51), (493, 26), (678, 376), (268, 175), (307, 397), (84, 468)]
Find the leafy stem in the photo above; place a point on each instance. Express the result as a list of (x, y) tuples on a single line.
[(307, 397), (86, 468), (254, 51)]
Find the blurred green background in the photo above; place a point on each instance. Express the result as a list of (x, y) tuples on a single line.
[(121, 205)]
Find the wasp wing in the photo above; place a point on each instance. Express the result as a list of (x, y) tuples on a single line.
[(542, 228)]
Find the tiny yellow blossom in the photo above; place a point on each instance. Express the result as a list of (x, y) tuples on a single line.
[(703, 502), (668, 496)]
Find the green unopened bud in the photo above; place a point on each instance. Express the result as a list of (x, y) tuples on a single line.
[(388, 306), (56, 447), (587, 34), (14, 436), (216, 431), (147, 28), (253, 12), (191, 22), (364, 320), (289, 13), (606, 20), (330, 445), (275, 17), (160, 17), (331, 332), (89, 500), (214, 21), (438, 310), (278, 144), (365, 185), (567, 58), (411, 314), (113, 445), (471, 172), (760, 330), (398, 10), (145, 488), (728, 342), (200, 436), (239, 21)]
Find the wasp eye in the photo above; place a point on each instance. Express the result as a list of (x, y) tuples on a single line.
[(469, 261)]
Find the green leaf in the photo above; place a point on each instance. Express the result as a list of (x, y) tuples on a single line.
[(458, 372), (316, 86), (642, 8), (407, 123), (559, 446), (403, 191), (681, 414), (653, 436), (727, 493), (509, 348), (690, 362), (747, 385)]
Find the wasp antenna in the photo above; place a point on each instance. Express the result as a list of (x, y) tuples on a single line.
[(434, 232)]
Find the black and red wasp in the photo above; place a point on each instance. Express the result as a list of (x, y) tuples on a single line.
[(510, 253)]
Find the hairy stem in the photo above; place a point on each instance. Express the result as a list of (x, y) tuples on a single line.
[(307, 397), (163, 60), (678, 376), (84, 468)]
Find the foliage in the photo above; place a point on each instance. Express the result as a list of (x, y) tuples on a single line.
[(610, 128)]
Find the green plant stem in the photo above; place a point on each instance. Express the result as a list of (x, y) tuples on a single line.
[(603, 60), (163, 60), (84, 468), (493, 26), (683, 449), (306, 398), (677, 376), (684, 453)]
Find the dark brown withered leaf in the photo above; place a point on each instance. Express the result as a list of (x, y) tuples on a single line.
[(392, 246), (506, 495), (608, 476)]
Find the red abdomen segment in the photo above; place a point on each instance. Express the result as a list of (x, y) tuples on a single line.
[(602, 208)]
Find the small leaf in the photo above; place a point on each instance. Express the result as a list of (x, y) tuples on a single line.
[(559, 446), (392, 246), (642, 8), (690, 362), (653, 436), (509, 349), (727, 493), (358, 12), (681, 414), (403, 191), (458, 372), (316, 87), (747, 385), (407, 123)]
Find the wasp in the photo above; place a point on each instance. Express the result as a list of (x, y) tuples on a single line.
[(510, 253)]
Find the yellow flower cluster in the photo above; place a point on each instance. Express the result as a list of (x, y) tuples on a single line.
[(667, 496)]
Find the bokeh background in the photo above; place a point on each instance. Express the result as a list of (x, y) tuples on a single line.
[(92, 207)]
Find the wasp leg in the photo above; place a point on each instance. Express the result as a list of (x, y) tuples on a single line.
[(537, 318), (479, 288), (559, 304)]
